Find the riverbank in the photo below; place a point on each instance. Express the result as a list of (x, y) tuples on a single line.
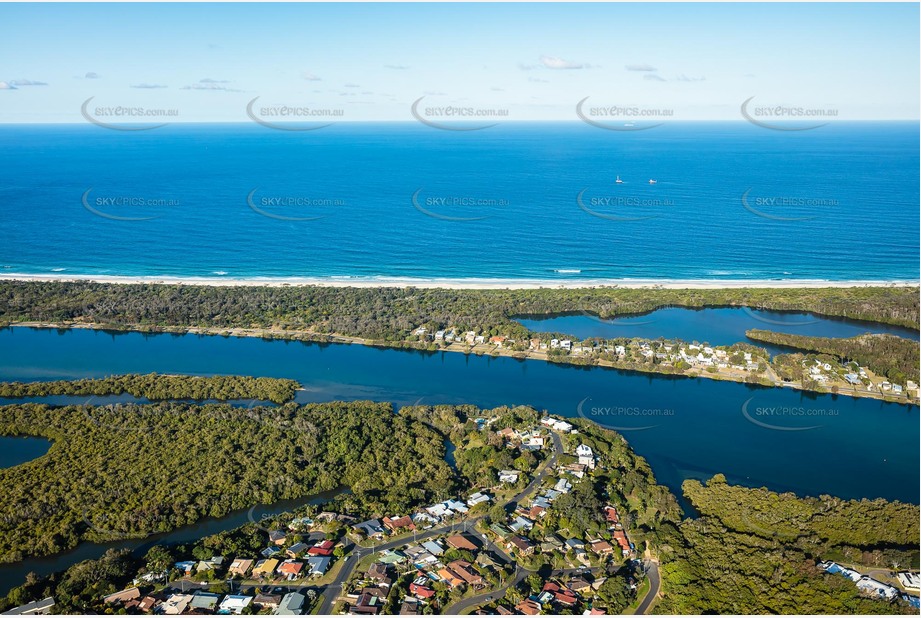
[(484, 349), (468, 284)]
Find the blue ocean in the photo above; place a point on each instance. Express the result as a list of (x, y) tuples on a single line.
[(516, 201)]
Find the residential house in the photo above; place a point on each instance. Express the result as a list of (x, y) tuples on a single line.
[(371, 528), (586, 456), (277, 537), (377, 572), (563, 486), (122, 596), (521, 523), (459, 541), (399, 523), (477, 498), (410, 607), (267, 601), (291, 605), (175, 604), (529, 607), (521, 545), (318, 564), (419, 588), (621, 537), (296, 550), (610, 515), (323, 548), (265, 568), (291, 569), (450, 577), (508, 476), (35, 608), (467, 573), (234, 604), (240, 566), (601, 547), (205, 602), (434, 547), (871, 587)]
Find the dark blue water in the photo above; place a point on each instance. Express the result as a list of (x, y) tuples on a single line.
[(850, 212), (686, 428), (722, 326), (15, 450)]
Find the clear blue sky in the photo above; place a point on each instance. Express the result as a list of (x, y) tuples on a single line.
[(536, 60)]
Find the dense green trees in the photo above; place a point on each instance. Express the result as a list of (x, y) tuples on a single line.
[(161, 387), (753, 551), (132, 470), (896, 358), (388, 314)]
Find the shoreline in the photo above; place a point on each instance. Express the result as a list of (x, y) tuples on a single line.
[(463, 284)]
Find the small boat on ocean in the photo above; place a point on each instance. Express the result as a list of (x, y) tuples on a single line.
[(652, 182), (618, 181)]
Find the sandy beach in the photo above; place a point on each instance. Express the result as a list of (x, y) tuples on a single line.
[(468, 284)]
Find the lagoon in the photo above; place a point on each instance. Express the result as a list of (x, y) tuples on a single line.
[(716, 326)]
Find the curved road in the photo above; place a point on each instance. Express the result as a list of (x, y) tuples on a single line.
[(334, 589), (652, 572)]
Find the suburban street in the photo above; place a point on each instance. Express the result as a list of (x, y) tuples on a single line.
[(334, 590), (652, 572)]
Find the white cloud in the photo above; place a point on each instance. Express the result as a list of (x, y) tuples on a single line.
[(552, 62), (640, 67)]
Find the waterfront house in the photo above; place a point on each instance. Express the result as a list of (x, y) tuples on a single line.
[(35, 608), (122, 596), (278, 537), (586, 456)]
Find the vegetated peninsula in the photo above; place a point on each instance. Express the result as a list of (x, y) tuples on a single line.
[(538, 515), (160, 387), (483, 322)]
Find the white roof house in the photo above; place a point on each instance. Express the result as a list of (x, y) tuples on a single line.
[(868, 585), (910, 581), (234, 603)]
